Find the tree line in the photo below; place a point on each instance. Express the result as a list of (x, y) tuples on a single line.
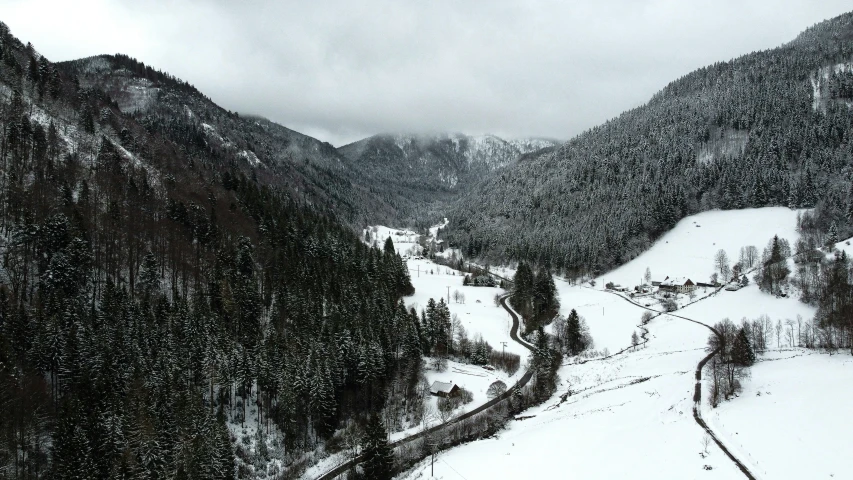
[(152, 299), (750, 132)]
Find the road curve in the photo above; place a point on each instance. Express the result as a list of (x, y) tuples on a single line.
[(513, 333), (697, 391)]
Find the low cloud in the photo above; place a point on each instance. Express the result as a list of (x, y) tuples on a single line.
[(342, 70)]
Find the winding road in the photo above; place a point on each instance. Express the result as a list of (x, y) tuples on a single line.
[(513, 333), (697, 392)]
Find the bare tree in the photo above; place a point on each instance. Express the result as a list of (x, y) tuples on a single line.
[(648, 276), (455, 327), (748, 256), (768, 331), (495, 389), (635, 339), (790, 332), (721, 264), (646, 317), (446, 408), (778, 333), (706, 442)]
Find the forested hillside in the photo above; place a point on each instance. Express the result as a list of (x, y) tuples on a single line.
[(768, 128), (308, 169), (154, 291), (423, 173)]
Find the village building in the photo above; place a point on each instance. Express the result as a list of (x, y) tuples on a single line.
[(678, 285), (444, 389)]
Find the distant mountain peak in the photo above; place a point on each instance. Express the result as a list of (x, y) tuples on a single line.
[(428, 169)]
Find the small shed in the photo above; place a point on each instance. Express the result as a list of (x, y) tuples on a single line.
[(444, 389)]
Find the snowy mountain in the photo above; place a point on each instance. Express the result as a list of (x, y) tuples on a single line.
[(767, 128), (310, 170), (432, 170), (449, 161), (153, 245)]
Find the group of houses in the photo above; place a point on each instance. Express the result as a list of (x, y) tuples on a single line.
[(685, 285)]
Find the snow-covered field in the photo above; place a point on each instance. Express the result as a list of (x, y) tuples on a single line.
[(610, 318), (629, 416), (748, 302), (405, 241), (792, 419), (688, 249), (479, 314)]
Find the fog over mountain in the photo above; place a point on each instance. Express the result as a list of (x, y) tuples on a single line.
[(341, 71)]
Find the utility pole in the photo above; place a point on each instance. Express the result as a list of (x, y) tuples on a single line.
[(503, 352), (448, 294)]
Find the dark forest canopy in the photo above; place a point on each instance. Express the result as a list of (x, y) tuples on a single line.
[(768, 128), (149, 293)]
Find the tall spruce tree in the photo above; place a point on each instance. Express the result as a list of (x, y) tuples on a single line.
[(379, 459)]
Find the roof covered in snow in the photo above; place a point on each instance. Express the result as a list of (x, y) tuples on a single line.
[(676, 282), (441, 387)]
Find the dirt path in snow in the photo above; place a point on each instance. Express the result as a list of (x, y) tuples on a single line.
[(697, 392), (513, 333)]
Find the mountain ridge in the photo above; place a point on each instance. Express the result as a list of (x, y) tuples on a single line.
[(750, 132)]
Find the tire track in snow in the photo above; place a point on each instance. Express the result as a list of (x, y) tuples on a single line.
[(697, 391)]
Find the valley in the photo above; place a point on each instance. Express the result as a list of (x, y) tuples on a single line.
[(192, 292), (608, 410)]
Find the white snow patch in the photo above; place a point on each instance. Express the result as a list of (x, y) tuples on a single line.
[(250, 157), (630, 416), (791, 418), (688, 249)]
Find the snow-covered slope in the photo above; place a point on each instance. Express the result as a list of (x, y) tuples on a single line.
[(450, 161), (688, 249), (629, 416), (792, 420)]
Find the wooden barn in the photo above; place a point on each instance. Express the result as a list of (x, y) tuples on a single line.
[(444, 389)]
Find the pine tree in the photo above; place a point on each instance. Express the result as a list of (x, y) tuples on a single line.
[(379, 459), (742, 353), (149, 275), (389, 247), (574, 338), (832, 236)]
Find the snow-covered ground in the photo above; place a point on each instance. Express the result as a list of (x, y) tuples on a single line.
[(480, 317), (792, 419), (405, 241), (748, 302), (688, 249), (479, 314), (610, 318), (473, 378), (629, 416)]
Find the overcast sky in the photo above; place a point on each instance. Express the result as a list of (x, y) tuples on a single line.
[(343, 70)]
